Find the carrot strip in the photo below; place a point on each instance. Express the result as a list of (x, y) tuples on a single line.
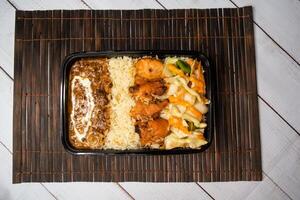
[(175, 70)]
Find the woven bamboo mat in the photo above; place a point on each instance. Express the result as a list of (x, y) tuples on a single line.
[(44, 38)]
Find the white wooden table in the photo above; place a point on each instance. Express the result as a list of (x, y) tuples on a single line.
[(277, 42)]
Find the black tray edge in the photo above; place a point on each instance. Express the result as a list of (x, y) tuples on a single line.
[(67, 63)]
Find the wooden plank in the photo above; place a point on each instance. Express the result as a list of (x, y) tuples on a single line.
[(286, 173), (122, 4), (175, 4), (276, 137), (277, 79), (280, 19), (229, 190), (7, 24), (275, 146), (161, 191), (6, 105), (83, 191), (245, 190), (267, 190), (33, 191), (49, 5)]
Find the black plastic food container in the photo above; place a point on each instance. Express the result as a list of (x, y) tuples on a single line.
[(70, 60)]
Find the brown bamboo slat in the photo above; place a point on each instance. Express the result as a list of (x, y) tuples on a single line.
[(45, 38)]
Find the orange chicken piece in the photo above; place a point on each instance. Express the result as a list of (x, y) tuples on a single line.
[(154, 131), (142, 110), (148, 69), (148, 91)]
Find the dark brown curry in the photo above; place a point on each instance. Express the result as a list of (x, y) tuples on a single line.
[(88, 100)]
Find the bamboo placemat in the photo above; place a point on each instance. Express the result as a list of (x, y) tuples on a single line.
[(44, 38)]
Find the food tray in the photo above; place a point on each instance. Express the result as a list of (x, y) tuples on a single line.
[(70, 60)]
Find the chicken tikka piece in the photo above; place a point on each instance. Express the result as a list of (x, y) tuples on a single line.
[(149, 85)]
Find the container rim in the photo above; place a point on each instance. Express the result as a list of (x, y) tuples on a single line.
[(65, 69)]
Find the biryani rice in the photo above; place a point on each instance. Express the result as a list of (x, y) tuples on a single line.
[(122, 133)]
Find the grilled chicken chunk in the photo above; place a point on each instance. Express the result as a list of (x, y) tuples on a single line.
[(142, 110), (148, 69), (153, 131), (148, 91)]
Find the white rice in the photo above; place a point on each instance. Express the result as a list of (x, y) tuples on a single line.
[(122, 132)]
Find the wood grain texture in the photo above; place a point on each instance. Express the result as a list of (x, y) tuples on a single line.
[(267, 190), (6, 102), (286, 172), (7, 20), (121, 4), (220, 33), (83, 191), (32, 191), (48, 5), (273, 65), (245, 190), (160, 191), (280, 20), (177, 4), (275, 145)]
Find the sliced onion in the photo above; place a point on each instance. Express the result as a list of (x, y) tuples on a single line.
[(189, 98), (194, 142), (166, 71), (172, 89), (190, 118), (174, 111), (201, 107), (171, 60), (178, 133), (181, 109), (165, 114), (203, 125), (172, 141)]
